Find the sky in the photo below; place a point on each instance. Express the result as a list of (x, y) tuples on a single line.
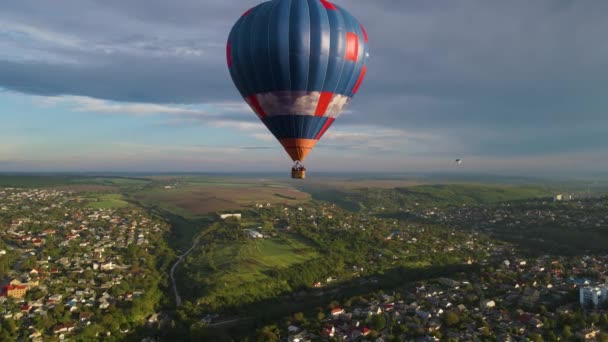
[(142, 85)]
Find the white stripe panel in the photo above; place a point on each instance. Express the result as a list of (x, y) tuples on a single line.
[(299, 103)]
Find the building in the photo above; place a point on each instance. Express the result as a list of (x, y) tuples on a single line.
[(14, 291), (254, 234), (225, 216), (98, 252), (593, 295)]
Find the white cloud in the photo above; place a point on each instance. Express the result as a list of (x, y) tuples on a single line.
[(264, 136), (240, 125), (93, 105), (38, 34)]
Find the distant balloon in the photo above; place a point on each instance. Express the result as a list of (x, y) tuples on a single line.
[(297, 63)]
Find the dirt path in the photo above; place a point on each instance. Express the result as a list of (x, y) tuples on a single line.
[(178, 299)]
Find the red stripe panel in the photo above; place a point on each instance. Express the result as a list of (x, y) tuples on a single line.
[(324, 128), (364, 33), (328, 5), (229, 54), (324, 101), (361, 76), (255, 104), (352, 46), (247, 12)]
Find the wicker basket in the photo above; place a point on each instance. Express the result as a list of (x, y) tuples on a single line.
[(298, 174)]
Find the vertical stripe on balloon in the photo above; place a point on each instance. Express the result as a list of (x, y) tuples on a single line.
[(324, 101), (255, 104), (352, 46), (364, 34), (360, 79), (229, 54), (248, 12), (328, 5), (324, 128)]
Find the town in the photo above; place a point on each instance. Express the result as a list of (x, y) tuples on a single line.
[(512, 297), (83, 265), (535, 299), (76, 269)]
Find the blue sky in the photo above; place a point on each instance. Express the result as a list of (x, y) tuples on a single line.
[(141, 85)]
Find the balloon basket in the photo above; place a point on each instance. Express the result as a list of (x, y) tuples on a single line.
[(298, 174)]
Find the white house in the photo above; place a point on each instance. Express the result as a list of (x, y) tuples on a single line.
[(225, 216), (254, 234)]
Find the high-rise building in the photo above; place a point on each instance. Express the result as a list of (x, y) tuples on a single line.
[(593, 295)]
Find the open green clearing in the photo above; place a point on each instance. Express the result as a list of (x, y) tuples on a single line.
[(427, 196), (473, 194), (117, 181), (243, 262), (237, 271), (107, 201)]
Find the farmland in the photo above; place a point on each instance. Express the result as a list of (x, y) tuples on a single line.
[(108, 201), (194, 200)]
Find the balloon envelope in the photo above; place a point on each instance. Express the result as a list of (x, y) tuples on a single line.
[(297, 63)]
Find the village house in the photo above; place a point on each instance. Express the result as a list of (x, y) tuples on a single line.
[(14, 291)]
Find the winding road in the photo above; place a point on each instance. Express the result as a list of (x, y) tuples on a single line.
[(178, 299)]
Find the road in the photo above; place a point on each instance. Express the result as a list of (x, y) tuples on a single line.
[(178, 299), (229, 321)]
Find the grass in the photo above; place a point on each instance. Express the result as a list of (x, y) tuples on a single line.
[(247, 262), (118, 181), (427, 195), (108, 201), (474, 193), (232, 270), (46, 181)]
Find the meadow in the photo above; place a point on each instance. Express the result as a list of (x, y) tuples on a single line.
[(233, 272), (107, 201)]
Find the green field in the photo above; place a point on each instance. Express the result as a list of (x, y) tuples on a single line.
[(238, 263), (45, 181), (427, 196), (234, 271), (474, 194), (116, 181), (108, 201)]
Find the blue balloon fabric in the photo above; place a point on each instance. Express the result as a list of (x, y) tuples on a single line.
[(297, 63)]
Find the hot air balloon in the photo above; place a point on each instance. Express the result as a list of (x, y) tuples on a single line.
[(297, 63)]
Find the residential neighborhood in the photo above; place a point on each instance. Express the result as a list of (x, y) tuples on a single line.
[(78, 265), (519, 299)]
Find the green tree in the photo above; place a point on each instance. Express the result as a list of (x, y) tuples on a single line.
[(378, 322), (603, 337), (451, 318), (269, 333), (536, 338), (566, 332), (299, 317), (551, 336), (10, 326)]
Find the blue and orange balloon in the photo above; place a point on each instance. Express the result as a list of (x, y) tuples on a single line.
[(297, 63)]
